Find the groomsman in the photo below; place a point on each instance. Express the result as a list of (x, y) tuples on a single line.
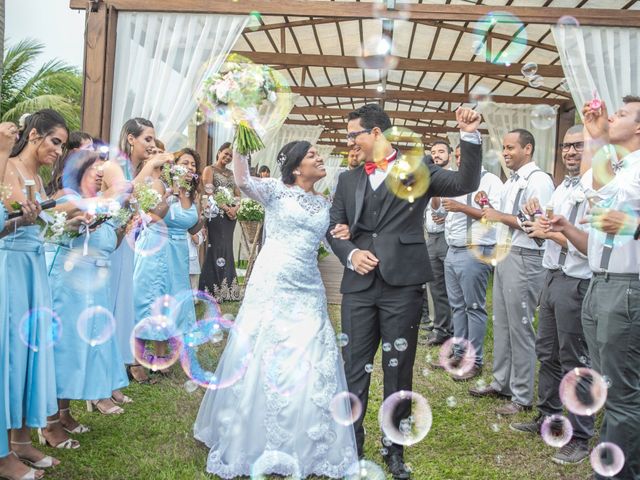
[(435, 217), (466, 274), (560, 342), (518, 277), (611, 308)]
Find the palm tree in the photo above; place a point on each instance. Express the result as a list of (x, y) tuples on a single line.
[(54, 85)]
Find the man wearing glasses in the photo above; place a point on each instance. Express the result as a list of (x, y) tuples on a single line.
[(560, 340), (386, 260)]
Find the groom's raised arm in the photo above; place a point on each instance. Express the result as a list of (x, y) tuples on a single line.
[(338, 215)]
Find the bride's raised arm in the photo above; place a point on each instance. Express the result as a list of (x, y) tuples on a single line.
[(259, 189)]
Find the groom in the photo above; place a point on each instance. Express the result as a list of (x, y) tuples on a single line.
[(386, 260)]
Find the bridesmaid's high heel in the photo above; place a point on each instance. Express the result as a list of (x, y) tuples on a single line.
[(32, 474), (68, 444), (93, 404), (79, 429)]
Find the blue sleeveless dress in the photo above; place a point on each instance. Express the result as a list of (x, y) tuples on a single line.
[(4, 444), (122, 289), (165, 272), (29, 329), (88, 362)]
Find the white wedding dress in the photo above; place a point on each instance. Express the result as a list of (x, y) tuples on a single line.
[(280, 406)]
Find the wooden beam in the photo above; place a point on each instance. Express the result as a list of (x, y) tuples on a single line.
[(408, 64), (95, 61), (363, 10), (421, 129), (342, 113), (421, 95)]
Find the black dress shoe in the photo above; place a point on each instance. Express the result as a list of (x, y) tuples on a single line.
[(395, 464)]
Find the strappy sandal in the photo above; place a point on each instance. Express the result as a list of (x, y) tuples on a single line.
[(46, 462), (68, 444), (124, 401), (95, 404), (142, 381), (32, 474), (79, 429)]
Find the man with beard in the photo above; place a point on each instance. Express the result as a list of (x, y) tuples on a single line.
[(518, 277), (560, 341), (435, 216)]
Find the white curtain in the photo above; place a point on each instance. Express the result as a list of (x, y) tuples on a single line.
[(286, 134), (161, 61), (599, 59), (501, 118), (332, 165)]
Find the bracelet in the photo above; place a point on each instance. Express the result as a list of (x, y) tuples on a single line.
[(636, 234)]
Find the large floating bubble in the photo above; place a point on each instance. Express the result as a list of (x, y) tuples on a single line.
[(405, 417), (583, 391), (38, 324), (607, 459), (500, 51)]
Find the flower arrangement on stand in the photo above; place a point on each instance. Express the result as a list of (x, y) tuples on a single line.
[(251, 218)]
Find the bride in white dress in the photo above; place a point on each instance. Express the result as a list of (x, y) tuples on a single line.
[(281, 404)]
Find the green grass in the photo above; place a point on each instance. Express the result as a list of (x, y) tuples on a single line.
[(153, 439)]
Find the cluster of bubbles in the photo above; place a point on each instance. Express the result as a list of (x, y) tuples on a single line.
[(530, 73)]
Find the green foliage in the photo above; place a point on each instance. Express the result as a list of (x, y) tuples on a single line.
[(26, 89)]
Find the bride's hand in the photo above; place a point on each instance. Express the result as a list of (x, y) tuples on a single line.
[(341, 232)]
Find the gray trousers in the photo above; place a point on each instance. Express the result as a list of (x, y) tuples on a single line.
[(560, 344), (611, 323), (466, 279), (516, 288), (437, 247)]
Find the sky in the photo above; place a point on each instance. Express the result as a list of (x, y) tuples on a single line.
[(51, 22)]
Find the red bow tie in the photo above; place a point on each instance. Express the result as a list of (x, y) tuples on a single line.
[(370, 167)]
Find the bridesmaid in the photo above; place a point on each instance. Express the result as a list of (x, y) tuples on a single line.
[(25, 309), (166, 272), (88, 362), (10, 466), (218, 270), (137, 144)]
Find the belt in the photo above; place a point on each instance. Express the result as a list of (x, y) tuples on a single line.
[(88, 259), (527, 251), (616, 276), (172, 236), (18, 246)]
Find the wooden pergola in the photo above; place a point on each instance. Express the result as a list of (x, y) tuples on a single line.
[(316, 45)]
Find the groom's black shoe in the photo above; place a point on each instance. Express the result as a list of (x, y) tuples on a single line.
[(396, 466)]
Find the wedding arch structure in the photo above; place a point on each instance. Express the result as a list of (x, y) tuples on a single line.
[(440, 59)]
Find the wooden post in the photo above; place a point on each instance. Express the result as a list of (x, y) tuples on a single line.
[(566, 120), (203, 145), (99, 59)]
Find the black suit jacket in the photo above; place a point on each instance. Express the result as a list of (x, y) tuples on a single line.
[(399, 236)]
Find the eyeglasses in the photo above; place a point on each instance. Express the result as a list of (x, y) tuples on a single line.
[(565, 147), (353, 135)]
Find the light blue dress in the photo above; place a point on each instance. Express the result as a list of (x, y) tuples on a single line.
[(29, 329), (4, 444), (88, 362), (165, 272), (122, 289)]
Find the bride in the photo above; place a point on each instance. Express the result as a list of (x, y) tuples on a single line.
[(284, 408)]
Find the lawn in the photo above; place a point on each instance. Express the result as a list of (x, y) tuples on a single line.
[(153, 440)]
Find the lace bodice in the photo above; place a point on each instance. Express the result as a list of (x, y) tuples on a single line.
[(221, 180)]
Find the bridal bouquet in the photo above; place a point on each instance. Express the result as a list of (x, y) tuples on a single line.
[(145, 197), (250, 211), (176, 177), (224, 196), (235, 93)]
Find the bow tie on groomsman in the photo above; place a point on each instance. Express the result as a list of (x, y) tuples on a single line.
[(571, 181), (514, 177), (617, 166), (370, 167)]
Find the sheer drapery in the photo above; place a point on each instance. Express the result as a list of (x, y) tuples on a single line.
[(332, 165), (501, 118), (599, 59), (286, 134), (161, 61)]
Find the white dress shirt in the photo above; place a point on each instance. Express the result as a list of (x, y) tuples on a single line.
[(621, 193), (429, 224), (481, 233), (533, 182), (568, 199)]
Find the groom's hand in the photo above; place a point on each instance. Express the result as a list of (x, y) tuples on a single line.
[(468, 120), (363, 261), (341, 232)]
